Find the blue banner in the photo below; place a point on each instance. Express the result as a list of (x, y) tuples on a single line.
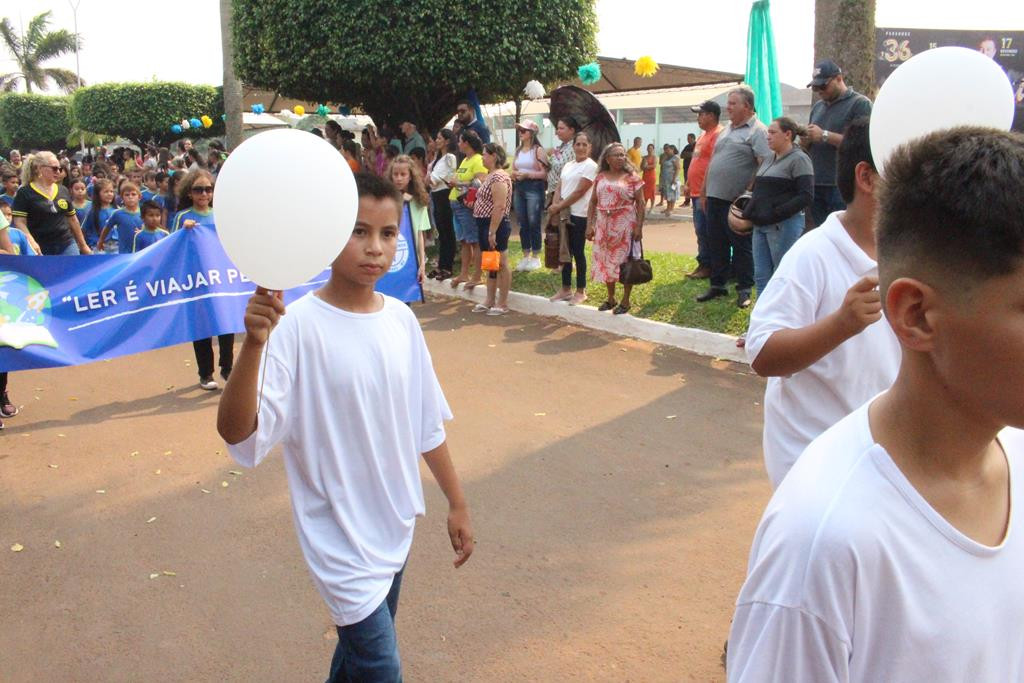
[(67, 310)]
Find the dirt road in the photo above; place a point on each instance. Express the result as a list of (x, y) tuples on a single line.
[(615, 486)]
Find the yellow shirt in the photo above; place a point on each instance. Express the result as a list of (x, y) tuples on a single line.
[(468, 169), (636, 156)]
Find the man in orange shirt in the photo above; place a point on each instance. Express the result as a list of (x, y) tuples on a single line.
[(708, 114)]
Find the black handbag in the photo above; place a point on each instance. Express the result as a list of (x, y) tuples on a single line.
[(635, 271)]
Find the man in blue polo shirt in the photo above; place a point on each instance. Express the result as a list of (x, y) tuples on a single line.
[(838, 105)]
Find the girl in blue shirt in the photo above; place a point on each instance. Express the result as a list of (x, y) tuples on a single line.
[(99, 213), (81, 202), (195, 201)]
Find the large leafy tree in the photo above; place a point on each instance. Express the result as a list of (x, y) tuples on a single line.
[(29, 121), (412, 60), (31, 50)]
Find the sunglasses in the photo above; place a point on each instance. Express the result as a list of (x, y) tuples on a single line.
[(52, 168), (202, 189)]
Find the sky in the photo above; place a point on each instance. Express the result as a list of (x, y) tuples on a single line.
[(121, 41)]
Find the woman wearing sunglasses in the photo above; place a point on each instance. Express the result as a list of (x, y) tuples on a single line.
[(42, 208), (195, 204)]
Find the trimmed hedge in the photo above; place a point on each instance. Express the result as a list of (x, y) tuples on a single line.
[(30, 121), (144, 111)]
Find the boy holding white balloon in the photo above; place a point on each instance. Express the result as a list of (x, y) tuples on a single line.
[(347, 385), (892, 551)]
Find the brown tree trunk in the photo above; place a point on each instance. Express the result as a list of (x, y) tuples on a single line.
[(232, 86), (844, 31)]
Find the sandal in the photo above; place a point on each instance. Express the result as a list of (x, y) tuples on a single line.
[(497, 311), (443, 275), (471, 284), (607, 305), (620, 309), (456, 281), (433, 274), (480, 308)]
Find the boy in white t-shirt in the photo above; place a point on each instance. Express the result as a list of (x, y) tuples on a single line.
[(816, 331), (349, 389), (891, 551)]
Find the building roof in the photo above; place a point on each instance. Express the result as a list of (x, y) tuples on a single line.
[(617, 76)]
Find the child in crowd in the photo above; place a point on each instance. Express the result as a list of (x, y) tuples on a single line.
[(151, 232), (150, 189), (354, 423), (816, 331), (21, 243), (11, 183), (405, 174), (80, 200), (99, 213), (165, 184), (891, 552), (126, 221)]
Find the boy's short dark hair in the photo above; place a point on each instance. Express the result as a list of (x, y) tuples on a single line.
[(855, 148), (950, 207), (149, 205), (418, 153), (372, 185)]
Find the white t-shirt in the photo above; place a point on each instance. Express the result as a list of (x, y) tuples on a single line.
[(354, 399), (572, 173), (810, 284), (853, 576)]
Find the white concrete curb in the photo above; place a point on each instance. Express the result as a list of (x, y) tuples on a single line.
[(698, 341)]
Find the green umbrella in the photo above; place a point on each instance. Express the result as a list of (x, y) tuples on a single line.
[(762, 71)]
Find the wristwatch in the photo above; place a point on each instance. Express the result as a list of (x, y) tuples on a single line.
[(824, 136)]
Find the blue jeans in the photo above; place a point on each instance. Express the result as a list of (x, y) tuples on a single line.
[(368, 651), (528, 202), (465, 224), (771, 242), (70, 250), (826, 200), (700, 226)]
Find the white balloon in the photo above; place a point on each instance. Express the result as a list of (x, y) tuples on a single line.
[(938, 89), (286, 204)]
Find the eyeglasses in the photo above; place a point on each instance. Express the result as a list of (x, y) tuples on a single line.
[(52, 168), (202, 189)]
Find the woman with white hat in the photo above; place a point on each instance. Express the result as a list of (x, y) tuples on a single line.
[(529, 172)]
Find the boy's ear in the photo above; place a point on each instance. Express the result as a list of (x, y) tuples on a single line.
[(865, 177), (910, 307)]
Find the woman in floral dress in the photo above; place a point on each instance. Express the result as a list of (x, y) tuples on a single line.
[(616, 214)]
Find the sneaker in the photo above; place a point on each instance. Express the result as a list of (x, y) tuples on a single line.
[(534, 263), (208, 383), (497, 311), (523, 265), (577, 299), (7, 409)]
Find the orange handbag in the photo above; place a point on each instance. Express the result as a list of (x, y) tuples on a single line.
[(490, 261)]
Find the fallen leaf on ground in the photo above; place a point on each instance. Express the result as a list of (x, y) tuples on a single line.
[(62, 435), (223, 484), (52, 466), (491, 346), (519, 362), (235, 472), (153, 576), (17, 548), (167, 452), (101, 490), (150, 520), (73, 398), (156, 471), (670, 417), (167, 573), (204, 490), (36, 397), (539, 414), (56, 544)]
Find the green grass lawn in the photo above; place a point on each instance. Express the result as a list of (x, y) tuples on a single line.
[(670, 297)]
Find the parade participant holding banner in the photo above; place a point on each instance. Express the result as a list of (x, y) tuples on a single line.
[(347, 385), (100, 210), (43, 209), (125, 222), (195, 201)]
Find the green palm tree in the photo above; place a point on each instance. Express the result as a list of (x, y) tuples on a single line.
[(36, 46)]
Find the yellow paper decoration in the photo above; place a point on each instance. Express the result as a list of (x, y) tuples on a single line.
[(645, 67), (299, 110)]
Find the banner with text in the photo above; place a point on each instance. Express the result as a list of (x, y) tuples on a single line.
[(67, 310)]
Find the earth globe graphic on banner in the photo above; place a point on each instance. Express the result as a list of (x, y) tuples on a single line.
[(24, 311)]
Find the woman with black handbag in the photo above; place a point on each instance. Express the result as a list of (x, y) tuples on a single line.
[(615, 219)]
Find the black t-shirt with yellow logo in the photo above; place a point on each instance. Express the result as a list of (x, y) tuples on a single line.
[(46, 216)]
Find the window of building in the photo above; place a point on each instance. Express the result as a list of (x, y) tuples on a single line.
[(677, 115), (641, 116)]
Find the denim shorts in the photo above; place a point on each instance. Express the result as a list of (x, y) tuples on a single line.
[(483, 225), (465, 224)]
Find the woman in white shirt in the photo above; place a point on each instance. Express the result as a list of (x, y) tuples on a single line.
[(529, 171), (573, 193), (442, 167)]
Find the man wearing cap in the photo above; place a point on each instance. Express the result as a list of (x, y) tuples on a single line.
[(739, 150), (838, 105), (708, 114)]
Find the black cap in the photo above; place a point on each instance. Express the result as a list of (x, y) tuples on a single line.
[(708, 106), (824, 72)]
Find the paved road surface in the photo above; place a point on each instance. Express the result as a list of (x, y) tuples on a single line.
[(615, 487)]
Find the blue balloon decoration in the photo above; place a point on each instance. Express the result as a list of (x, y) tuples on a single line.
[(344, 111), (223, 117), (176, 129), (257, 108), (196, 123)]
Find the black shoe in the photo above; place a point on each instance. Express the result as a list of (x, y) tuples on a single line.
[(712, 293), (7, 409), (742, 299), (607, 306), (225, 373)]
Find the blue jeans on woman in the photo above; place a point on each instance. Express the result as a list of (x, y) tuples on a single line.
[(528, 201), (771, 242), (368, 651)]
